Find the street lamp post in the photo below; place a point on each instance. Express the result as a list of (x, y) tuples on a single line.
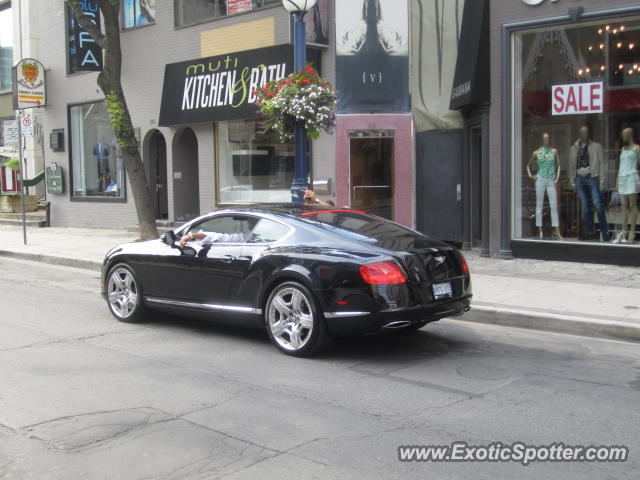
[(298, 8)]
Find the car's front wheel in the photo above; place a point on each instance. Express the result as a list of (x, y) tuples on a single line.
[(294, 322), (123, 294)]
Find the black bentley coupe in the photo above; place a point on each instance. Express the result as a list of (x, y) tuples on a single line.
[(305, 273)]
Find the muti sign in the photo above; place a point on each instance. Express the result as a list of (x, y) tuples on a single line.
[(220, 88), (29, 85), (83, 53), (577, 98)]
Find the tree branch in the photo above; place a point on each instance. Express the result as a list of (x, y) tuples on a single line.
[(86, 23)]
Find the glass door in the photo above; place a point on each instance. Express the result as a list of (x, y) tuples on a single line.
[(371, 172)]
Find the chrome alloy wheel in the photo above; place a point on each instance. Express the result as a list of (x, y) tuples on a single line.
[(122, 293), (290, 318)]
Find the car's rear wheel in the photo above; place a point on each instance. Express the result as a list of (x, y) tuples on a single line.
[(124, 295), (294, 322)]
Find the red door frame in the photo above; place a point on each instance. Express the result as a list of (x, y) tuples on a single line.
[(403, 188)]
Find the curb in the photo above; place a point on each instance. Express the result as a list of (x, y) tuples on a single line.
[(553, 322), (53, 260)]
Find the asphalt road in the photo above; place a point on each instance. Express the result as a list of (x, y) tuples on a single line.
[(85, 397)]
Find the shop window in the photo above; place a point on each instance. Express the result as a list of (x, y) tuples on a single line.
[(252, 167), (137, 13), (6, 48), (189, 12), (97, 169), (576, 89)]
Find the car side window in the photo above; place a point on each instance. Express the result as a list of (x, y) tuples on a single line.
[(267, 231), (226, 224)]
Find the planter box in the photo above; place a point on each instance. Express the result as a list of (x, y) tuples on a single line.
[(11, 203)]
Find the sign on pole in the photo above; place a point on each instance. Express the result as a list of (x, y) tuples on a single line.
[(29, 84), (27, 127), (10, 133)]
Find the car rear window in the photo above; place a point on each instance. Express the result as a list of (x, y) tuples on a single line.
[(358, 222)]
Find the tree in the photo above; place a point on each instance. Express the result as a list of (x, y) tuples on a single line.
[(110, 82)]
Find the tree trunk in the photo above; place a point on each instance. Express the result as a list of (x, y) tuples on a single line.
[(110, 81)]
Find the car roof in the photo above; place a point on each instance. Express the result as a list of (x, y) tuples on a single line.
[(286, 209)]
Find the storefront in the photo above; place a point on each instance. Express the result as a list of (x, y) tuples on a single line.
[(251, 166), (374, 156), (568, 118)]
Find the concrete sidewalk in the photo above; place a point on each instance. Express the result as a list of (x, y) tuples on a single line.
[(583, 299)]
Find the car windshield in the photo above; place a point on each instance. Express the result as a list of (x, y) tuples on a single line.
[(358, 224)]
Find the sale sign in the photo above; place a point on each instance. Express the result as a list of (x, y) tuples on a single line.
[(577, 98), (237, 6)]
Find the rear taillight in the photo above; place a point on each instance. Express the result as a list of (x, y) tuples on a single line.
[(463, 264), (385, 273)]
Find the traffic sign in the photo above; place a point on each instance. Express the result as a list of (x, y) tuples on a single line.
[(27, 127), (29, 85)]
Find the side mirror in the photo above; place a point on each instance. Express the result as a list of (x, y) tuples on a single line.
[(169, 238)]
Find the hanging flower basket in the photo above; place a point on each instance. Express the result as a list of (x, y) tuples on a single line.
[(302, 98)]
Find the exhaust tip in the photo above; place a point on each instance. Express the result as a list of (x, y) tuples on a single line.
[(397, 324)]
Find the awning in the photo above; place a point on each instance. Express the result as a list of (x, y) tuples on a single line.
[(471, 80)]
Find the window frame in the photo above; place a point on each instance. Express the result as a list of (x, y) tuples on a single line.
[(124, 28), (213, 19), (507, 243), (93, 199), (218, 158), (6, 5)]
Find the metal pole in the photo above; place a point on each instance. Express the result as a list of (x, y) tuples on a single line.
[(301, 176), (20, 174)]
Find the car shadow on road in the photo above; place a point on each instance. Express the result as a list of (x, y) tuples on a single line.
[(204, 325), (423, 344)]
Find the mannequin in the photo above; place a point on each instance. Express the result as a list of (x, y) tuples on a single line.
[(627, 184), (547, 166), (101, 152), (587, 171)]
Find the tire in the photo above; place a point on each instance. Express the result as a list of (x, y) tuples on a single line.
[(294, 322), (124, 295)]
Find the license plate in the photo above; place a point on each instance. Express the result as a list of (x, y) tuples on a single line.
[(442, 290)]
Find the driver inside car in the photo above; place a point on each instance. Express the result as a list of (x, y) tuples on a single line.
[(207, 238)]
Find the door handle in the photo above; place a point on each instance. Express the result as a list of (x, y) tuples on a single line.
[(227, 258)]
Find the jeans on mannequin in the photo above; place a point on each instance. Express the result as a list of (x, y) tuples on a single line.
[(589, 192)]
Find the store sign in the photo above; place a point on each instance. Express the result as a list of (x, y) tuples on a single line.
[(29, 85), (577, 98), (372, 56), (238, 6), (83, 53), (220, 88)]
